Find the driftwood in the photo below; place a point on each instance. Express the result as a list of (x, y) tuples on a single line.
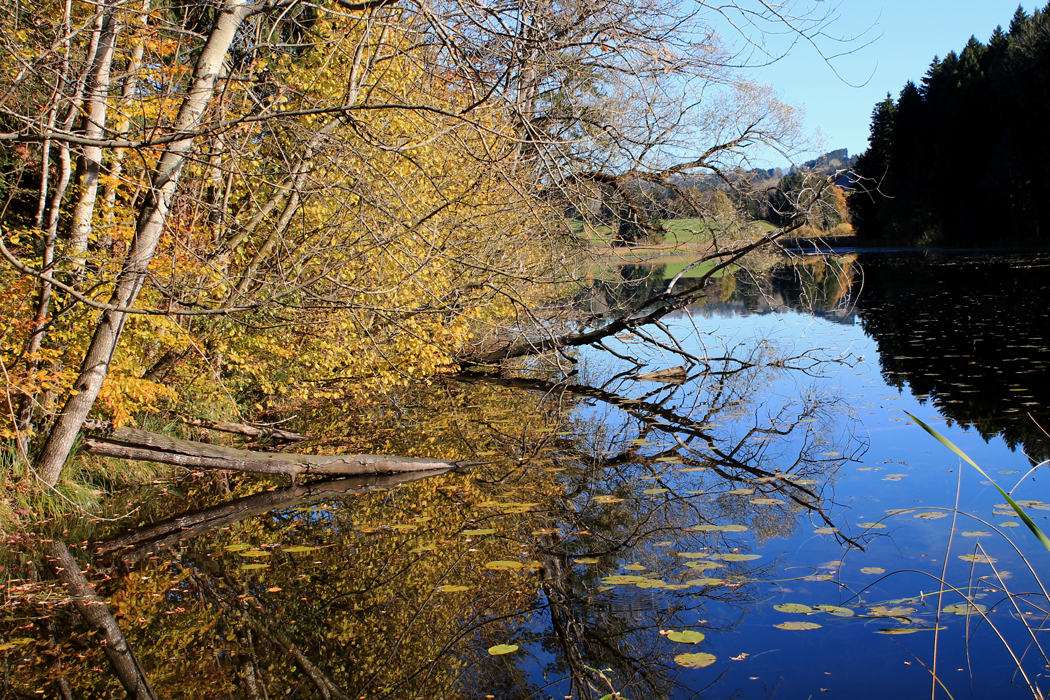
[(141, 445)]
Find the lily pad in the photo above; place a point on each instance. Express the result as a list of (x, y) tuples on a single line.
[(705, 582), (586, 560), (252, 567), (895, 611), (479, 531), (298, 549), (686, 637), (620, 580), (873, 570), (825, 530), (965, 609), (835, 610), (793, 608), (502, 565), (765, 501), (741, 492), (872, 526), (978, 558), (1009, 523), (703, 565), (256, 553), (935, 515), (501, 649), (694, 555), (700, 660), (635, 567), (607, 499), (654, 492), (977, 533), (237, 547), (736, 557), (798, 626)]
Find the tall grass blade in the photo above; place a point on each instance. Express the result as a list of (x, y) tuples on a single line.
[(1013, 504)]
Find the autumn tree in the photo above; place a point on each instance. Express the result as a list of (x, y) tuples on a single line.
[(231, 204)]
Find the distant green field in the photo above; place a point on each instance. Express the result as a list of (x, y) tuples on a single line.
[(672, 269), (679, 231)]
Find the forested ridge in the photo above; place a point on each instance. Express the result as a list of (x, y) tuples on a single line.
[(963, 157)]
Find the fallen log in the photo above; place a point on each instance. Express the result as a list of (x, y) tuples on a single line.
[(141, 445)]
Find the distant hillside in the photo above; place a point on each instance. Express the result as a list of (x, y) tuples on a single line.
[(755, 195)]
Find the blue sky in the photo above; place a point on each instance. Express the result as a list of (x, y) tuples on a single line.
[(905, 35)]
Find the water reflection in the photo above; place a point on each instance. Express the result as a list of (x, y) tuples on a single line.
[(589, 532), (608, 511), (967, 333)]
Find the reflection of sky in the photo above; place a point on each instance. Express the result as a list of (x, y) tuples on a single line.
[(845, 655)]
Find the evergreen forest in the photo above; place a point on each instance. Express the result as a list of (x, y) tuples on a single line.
[(962, 158)]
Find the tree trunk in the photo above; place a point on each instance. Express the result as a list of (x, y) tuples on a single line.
[(135, 444), (148, 231), (94, 128)]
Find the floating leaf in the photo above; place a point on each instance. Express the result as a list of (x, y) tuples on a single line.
[(607, 499), (635, 567), (298, 549), (964, 608), (765, 501), (255, 553), (480, 531), (898, 511), (793, 608), (935, 515), (873, 570), (452, 589), (694, 555), (897, 630), (501, 649), (826, 530), (1009, 523), (705, 582), (978, 558), (586, 560), (895, 611), (741, 492), (504, 565), (237, 547), (798, 626), (250, 567), (622, 579), (686, 637), (835, 610), (651, 583), (872, 526), (977, 533), (734, 528), (736, 557), (654, 492), (701, 660)]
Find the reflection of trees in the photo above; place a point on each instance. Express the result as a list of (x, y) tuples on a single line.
[(970, 334), (364, 594)]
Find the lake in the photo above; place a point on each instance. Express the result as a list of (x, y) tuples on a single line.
[(772, 524)]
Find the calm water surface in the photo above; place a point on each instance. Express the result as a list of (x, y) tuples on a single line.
[(780, 485)]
